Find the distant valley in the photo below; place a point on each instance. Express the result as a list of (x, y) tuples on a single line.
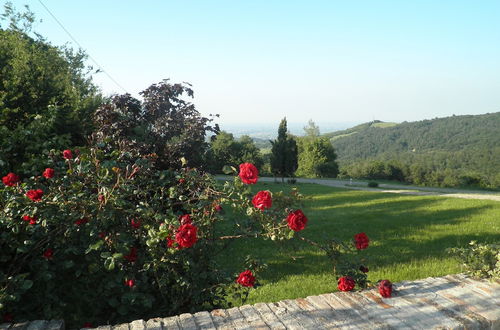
[(451, 151)]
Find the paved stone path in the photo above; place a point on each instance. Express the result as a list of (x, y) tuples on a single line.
[(394, 189), (449, 302)]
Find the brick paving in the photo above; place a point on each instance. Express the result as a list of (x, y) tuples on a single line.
[(449, 302)]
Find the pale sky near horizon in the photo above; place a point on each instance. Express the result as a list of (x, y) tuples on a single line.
[(330, 61)]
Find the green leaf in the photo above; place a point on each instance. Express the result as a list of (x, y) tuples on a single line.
[(226, 169), (68, 264), (109, 263), (95, 246), (106, 255), (27, 284)]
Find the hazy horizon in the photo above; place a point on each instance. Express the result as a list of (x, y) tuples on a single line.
[(270, 129), (260, 61)]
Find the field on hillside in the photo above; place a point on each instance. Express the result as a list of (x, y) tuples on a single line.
[(409, 235)]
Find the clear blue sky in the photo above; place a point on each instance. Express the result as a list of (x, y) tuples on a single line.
[(332, 61)]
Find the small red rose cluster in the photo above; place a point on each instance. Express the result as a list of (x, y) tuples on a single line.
[(263, 199), (11, 179), (296, 220), (186, 235), (347, 283), (30, 220)]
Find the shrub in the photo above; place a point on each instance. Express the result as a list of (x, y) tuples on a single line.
[(373, 184), (479, 260), (46, 95), (164, 123), (106, 238)]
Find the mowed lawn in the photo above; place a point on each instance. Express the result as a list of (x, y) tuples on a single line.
[(409, 235)]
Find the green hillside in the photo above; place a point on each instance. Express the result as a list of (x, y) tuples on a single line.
[(460, 143), (356, 129)]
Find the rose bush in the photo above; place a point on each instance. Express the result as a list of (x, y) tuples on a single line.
[(106, 238), (92, 221), (10, 179)]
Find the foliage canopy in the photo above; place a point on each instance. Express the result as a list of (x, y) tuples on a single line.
[(46, 95), (284, 153)]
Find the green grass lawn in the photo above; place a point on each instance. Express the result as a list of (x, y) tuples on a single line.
[(409, 235)]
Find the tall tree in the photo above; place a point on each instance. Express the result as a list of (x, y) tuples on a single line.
[(46, 95), (317, 157), (284, 161), (311, 129)]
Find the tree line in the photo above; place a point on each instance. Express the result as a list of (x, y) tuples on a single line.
[(49, 102), (447, 152), (308, 156)]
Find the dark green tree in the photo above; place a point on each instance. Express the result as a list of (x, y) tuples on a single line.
[(226, 150), (46, 95), (284, 153), (249, 152), (164, 126)]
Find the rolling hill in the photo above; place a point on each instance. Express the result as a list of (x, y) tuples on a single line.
[(459, 143)]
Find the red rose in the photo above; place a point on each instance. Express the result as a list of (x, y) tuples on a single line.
[(32, 220), (48, 173), (80, 222), (170, 241), (130, 283), (262, 200), (182, 181), (132, 256), (217, 207), (346, 283), (88, 325), (102, 235), (67, 154), (10, 179), (185, 219), (47, 254), (35, 195), (364, 269), (135, 224), (186, 235), (246, 278), (361, 241), (248, 173), (296, 220), (385, 288)]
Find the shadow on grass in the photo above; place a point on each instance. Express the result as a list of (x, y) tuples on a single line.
[(403, 229)]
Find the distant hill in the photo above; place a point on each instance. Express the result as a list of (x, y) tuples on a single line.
[(356, 129), (451, 134), (459, 146)]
